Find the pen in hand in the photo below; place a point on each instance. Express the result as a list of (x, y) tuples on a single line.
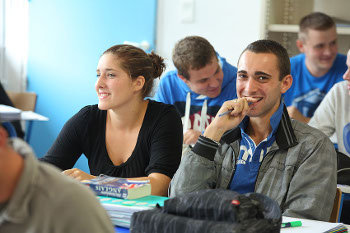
[(225, 113)]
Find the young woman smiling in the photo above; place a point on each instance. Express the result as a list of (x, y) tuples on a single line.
[(125, 135)]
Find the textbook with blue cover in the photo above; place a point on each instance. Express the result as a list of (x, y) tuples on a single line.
[(104, 185), (121, 210)]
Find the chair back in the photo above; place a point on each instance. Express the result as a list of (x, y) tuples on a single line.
[(10, 129), (25, 101), (337, 206)]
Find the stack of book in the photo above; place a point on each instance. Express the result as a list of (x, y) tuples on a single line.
[(122, 197), (121, 210)]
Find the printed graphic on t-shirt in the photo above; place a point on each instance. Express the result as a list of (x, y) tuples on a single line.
[(346, 137), (246, 154), (195, 121), (247, 166), (195, 115), (308, 102)]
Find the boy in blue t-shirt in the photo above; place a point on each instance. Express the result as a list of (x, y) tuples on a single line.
[(317, 69), (198, 87)]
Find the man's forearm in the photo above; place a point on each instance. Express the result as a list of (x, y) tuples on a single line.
[(213, 133)]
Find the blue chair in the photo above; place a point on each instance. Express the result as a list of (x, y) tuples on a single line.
[(10, 129)]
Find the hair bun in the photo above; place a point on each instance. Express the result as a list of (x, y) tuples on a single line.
[(158, 64)]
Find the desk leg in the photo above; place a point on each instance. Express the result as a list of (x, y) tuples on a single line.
[(341, 206), (28, 131)]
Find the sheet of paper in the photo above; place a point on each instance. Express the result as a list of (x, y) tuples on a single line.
[(344, 188), (311, 226)]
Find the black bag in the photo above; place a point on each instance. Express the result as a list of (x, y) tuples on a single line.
[(343, 171), (213, 210)]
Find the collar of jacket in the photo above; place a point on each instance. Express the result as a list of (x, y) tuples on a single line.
[(285, 137)]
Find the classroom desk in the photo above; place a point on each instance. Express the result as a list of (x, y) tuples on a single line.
[(308, 225), (345, 190)]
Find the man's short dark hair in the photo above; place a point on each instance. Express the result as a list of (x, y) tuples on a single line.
[(270, 46), (316, 21), (192, 52)]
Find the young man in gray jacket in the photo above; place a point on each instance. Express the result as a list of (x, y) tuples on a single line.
[(256, 147)]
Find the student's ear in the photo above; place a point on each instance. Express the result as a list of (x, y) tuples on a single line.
[(139, 82), (183, 78), (300, 45), (286, 83), (3, 137)]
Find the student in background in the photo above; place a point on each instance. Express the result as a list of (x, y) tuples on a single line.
[(333, 114), (35, 197), (124, 135), (258, 148), (202, 82), (317, 69)]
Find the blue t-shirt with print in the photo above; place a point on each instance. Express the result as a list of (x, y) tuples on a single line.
[(307, 91), (250, 155)]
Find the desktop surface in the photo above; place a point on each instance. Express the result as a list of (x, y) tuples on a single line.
[(308, 225)]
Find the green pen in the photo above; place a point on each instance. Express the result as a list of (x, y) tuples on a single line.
[(291, 224)]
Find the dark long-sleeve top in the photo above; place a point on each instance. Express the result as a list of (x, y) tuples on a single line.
[(158, 147)]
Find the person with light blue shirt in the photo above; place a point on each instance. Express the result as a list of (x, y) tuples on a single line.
[(257, 147), (333, 114), (317, 68), (333, 117)]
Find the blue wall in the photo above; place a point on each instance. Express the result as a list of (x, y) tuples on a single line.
[(66, 38)]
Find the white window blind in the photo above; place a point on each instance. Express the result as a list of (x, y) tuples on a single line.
[(13, 44)]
